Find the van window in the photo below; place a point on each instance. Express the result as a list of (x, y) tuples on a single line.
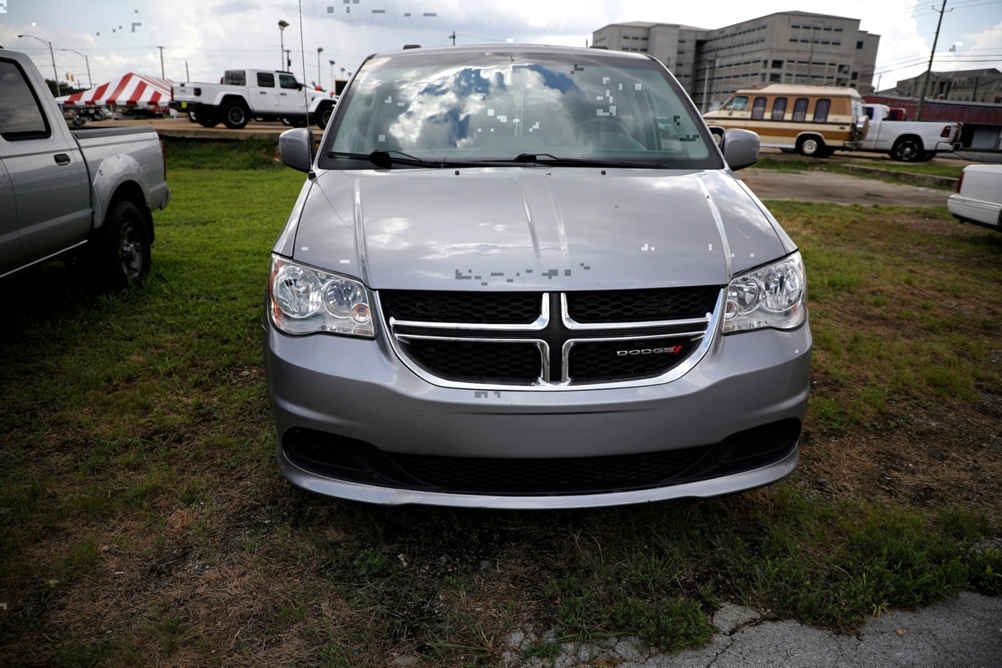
[(800, 110), (779, 109), (265, 80), (758, 109), (739, 103), (821, 110)]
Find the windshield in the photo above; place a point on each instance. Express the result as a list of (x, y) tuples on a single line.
[(489, 107)]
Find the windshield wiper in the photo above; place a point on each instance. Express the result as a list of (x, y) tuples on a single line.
[(554, 161), (385, 159)]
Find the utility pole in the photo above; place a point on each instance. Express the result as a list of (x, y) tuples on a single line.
[(162, 75), (453, 37), (932, 54)]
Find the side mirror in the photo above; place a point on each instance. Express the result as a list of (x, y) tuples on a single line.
[(296, 148), (740, 148)]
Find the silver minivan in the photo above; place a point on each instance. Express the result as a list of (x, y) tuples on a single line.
[(528, 277)]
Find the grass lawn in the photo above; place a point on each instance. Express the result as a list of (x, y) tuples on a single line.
[(145, 521)]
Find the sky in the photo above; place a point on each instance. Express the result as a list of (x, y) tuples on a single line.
[(196, 40)]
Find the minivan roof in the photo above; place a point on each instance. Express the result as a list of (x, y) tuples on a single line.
[(796, 89)]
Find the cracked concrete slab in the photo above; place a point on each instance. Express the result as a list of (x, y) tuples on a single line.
[(963, 632)]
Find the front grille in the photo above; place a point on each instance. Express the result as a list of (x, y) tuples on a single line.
[(347, 459), (541, 340)]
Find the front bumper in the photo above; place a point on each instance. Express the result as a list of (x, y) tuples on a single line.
[(356, 391)]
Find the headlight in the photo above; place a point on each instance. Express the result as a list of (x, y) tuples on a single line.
[(303, 300), (773, 296)]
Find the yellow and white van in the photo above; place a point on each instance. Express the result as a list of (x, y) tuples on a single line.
[(812, 120)]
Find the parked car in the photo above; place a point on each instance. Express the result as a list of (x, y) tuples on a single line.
[(908, 141), (86, 194), (245, 94), (978, 198), (80, 115), (526, 277), (811, 120)]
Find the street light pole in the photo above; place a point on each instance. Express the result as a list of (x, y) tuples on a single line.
[(320, 74), (333, 87), (282, 25), (55, 75), (90, 81)]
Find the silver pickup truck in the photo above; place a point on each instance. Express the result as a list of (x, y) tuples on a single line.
[(82, 194)]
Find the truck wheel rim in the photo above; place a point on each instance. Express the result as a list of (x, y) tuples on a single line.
[(130, 252)]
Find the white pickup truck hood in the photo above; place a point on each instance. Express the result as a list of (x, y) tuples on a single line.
[(532, 228)]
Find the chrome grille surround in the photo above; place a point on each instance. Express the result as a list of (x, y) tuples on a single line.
[(696, 334)]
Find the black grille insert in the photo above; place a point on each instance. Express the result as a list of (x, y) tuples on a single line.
[(477, 361), (641, 305), (487, 308)]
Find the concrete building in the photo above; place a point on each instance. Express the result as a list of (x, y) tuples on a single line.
[(786, 47), (984, 85)]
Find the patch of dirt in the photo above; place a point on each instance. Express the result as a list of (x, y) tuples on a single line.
[(818, 186)]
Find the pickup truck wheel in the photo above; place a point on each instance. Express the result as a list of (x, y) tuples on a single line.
[(118, 255), (235, 116), (324, 117), (907, 149), (811, 147)]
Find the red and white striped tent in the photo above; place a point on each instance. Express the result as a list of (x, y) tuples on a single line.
[(131, 90)]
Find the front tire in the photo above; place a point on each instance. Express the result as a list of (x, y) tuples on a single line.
[(324, 116), (907, 149), (118, 255)]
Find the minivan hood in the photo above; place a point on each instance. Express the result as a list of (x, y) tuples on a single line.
[(532, 228)]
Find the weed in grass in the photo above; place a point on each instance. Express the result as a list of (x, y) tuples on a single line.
[(668, 625), (985, 570), (828, 415), (79, 560), (168, 630)]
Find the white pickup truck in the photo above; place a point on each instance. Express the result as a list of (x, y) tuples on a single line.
[(245, 94), (85, 195), (908, 141)]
